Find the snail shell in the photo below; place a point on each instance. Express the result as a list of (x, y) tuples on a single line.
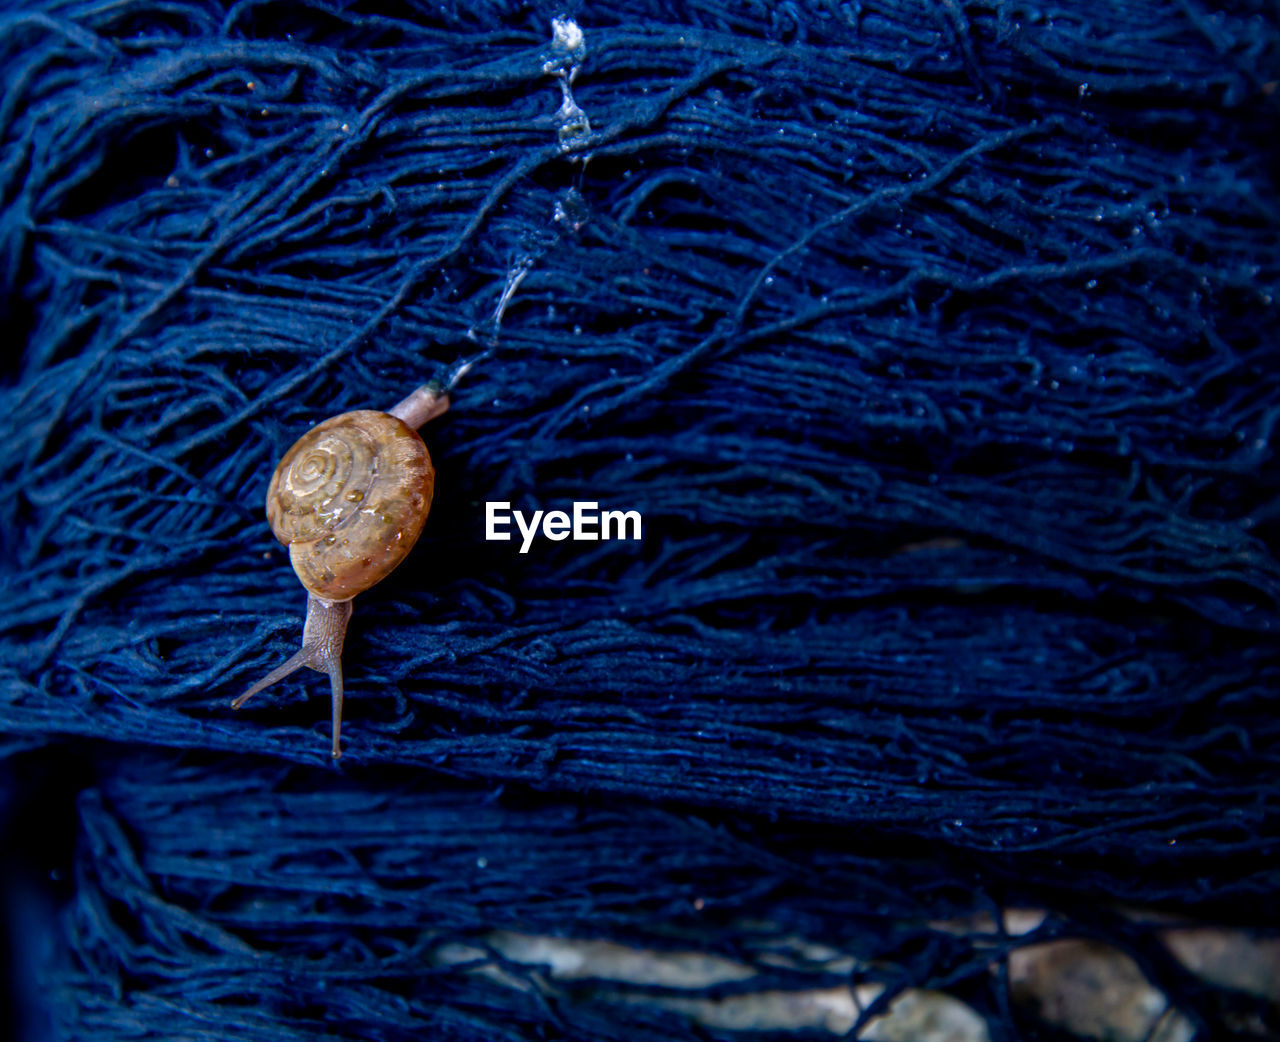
[(349, 501)]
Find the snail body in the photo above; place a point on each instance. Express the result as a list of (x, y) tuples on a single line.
[(349, 500)]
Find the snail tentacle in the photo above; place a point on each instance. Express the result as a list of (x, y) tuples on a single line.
[(335, 688), (322, 637), (292, 665)]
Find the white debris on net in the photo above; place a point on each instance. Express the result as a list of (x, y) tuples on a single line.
[(567, 52), (570, 959), (563, 58), (1233, 959), (835, 1010), (1014, 922), (1081, 986), (1091, 989), (571, 211), (566, 36), (913, 1015), (515, 276)]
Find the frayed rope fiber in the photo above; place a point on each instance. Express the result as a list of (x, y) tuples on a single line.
[(935, 342)]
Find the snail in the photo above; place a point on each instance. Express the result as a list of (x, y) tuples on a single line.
[(349, 500)]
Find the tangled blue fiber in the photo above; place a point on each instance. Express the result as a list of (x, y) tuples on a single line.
[(935, 342)]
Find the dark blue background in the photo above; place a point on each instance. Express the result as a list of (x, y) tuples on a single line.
[(936, 344)]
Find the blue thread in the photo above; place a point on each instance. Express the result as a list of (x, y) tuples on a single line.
[(935, 342)]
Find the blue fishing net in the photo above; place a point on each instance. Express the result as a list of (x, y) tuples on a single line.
[(935, 344)]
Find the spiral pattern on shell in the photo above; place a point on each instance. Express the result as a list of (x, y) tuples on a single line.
[(349, 499)]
